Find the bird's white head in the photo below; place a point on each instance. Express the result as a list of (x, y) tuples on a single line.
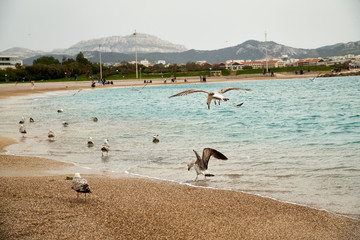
[(77, 175), (190, 165)]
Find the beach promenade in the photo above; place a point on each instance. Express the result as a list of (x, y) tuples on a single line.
[(37, 202)]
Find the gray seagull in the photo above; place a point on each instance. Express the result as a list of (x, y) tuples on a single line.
[(211, 95), (201, 164), (80, 185)]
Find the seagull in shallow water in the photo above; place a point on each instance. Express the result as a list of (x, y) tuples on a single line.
[(239, 105), (95, 119), (156, 139), (31, 120), (60, 110), (105, 147), (22, 130), (90, 142), (211, 95), (51, 135), (80, 185), (22, 121), (65, 124), (201, 164)]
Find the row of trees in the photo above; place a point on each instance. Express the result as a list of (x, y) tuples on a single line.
[(47, 67)]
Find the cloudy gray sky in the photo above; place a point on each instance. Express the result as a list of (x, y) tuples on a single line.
[(197, 24)]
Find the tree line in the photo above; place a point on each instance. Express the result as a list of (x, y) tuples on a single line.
[(49, 68)]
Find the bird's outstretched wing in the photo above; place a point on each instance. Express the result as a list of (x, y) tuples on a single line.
[(188, 92), (198, 158), (207, 153), (224, 90)]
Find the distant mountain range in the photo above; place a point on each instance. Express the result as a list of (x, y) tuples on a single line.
[(116, 49)]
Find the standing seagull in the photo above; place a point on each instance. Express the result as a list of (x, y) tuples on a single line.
[(90, 142), (105, 147), (51, 135), (22, 130), (80, 185), (156, 139), (211, 95), (201, 164), (22, 121)]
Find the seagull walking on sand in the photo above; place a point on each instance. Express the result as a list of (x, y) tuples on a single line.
[(211, 95), (51, 135), (201, 164), (31, 120), (105, 147), (22, 130), (65, 124), (80, 185)]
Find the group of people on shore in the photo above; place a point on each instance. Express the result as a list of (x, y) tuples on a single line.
[(101, 81)]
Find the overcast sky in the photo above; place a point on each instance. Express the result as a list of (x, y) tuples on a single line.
[(197, 24)]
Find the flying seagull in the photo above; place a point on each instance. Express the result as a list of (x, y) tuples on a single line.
[(80, 185), (239, 105), (201, 164), (313, 79), (77, 92), (105, 147), (211, 95), (139, 90), (22, 130)]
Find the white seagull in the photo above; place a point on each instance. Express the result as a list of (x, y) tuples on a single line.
[(201, 164), (90, 142), (80, 185), (51, 135), (156, 139), (211, 95), (60, 110), (105, 147), (22, 130), (22, 121)]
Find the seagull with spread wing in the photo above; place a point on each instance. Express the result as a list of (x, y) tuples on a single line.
[(201, 164), (211, 95)]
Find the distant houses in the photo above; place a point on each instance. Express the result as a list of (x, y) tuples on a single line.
[(9, 61)]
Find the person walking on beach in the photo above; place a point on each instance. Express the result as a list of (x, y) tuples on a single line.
[(32, 85)]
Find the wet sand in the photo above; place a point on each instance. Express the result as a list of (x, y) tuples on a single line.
[(37, 202)]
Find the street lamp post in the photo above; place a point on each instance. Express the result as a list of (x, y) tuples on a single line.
[(136, 62), (100, 62), (266, 57)]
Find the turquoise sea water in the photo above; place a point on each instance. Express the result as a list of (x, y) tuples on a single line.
[(292, 140)]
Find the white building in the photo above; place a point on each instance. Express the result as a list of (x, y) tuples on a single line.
[(8, 61)]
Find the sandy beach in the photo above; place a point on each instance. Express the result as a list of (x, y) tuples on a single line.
[(37, 201)]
